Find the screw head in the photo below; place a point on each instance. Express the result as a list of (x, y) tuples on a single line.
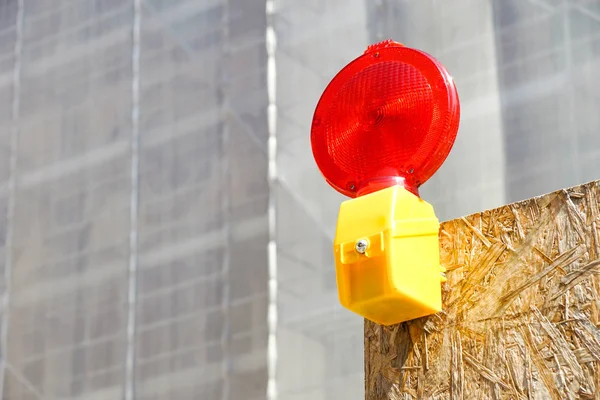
[(361, 246)]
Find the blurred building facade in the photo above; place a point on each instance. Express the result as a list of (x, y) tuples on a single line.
[(166, 234)]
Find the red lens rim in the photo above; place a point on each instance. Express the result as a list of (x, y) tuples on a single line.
[(424, 162)]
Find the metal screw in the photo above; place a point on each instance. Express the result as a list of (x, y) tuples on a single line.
[(361, 246)]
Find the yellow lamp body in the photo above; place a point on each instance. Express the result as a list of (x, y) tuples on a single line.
[(394, 274)]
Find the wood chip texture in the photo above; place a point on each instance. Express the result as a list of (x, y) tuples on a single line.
[(521, 309)]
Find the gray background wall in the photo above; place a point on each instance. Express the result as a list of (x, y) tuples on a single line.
[(139, 194), (196, 130)]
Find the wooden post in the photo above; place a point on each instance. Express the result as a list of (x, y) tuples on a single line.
[(521, 309)]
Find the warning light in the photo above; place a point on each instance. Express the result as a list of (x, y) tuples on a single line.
[(388, 117), (383, 126)]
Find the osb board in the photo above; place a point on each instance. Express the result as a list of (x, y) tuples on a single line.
[(521, 310)]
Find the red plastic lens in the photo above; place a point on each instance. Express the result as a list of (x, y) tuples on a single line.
[(389, 117)]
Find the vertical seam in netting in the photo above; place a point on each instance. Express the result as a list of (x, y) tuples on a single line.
[(272, 322), (12, 189), (134, 202), (226, 209)]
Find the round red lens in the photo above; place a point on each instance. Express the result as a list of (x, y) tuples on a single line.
[(389, 117)]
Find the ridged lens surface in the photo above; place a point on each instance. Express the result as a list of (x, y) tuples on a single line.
[(393, 112)]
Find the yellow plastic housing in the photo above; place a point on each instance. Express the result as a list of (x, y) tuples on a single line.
[(398, 277)]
